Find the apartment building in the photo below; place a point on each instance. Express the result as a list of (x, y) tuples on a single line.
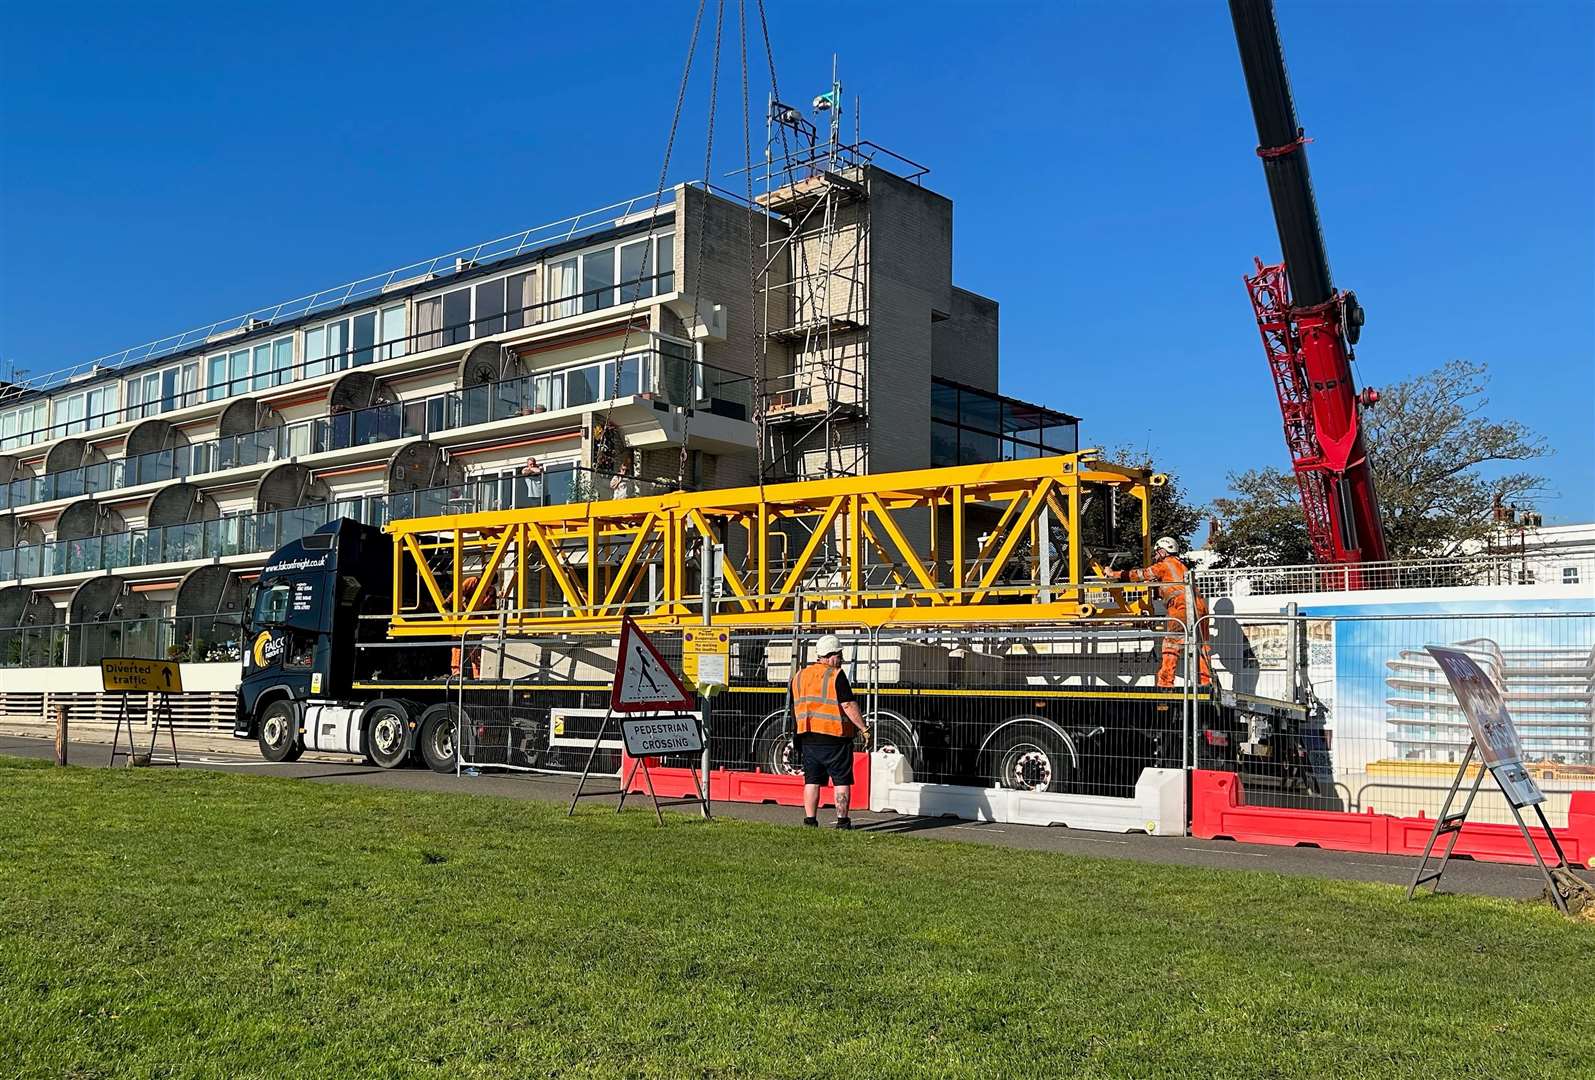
[(1548, 689), (624, 350)]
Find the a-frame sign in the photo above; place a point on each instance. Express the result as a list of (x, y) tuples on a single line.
[(1495, 742), (645, 683)]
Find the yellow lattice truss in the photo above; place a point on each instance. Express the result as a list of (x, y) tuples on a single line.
[(965, 544)]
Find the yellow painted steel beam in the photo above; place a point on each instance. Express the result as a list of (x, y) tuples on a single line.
[(592, 559)]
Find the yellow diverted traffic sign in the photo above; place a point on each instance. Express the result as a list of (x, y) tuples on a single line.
[(126, 675)]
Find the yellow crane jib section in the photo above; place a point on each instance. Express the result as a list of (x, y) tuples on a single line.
[(1011, 540)]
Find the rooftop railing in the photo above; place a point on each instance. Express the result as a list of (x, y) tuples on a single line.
[(600, 299), (666, 373), (439, 267), (259, 533)]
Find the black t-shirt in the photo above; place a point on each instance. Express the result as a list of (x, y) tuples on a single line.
[(844, 696)]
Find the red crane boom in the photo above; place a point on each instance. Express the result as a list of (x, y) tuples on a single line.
[(1308, 327)]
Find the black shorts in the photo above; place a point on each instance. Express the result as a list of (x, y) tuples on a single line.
[(827, 758)]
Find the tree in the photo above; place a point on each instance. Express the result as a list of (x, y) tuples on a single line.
[(1430, 443), (1172, 513)]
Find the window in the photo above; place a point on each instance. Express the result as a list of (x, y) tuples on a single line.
[(1569, 575), (598, 279), (365, 338), (85, 411), (151, 393), (18, 425), (518, 301), (562, 288), (456, 316), (393, 332), (489, 309), (257, 367)]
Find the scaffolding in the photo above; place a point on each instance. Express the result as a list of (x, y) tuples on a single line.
[(815, 291)]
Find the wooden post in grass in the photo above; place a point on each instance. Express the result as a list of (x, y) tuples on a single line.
[(60, 734)]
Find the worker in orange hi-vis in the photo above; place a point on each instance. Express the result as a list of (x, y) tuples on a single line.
[(1168, 567), (473, 653)]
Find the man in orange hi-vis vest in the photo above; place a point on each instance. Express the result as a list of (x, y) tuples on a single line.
[(827, 717), (470, 661), (1169, 568)]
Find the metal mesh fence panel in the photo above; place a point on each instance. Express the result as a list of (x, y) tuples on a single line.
[(1393, 732)]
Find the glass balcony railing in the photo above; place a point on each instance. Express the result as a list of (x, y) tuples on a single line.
[(191, 639), (667, 373), (260, 533)]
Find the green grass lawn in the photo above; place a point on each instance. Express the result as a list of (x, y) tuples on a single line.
[(164, 923)]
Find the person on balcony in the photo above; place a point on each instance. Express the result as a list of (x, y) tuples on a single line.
[(1167, 567), (530, 483)]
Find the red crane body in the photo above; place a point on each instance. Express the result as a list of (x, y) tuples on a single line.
[(1307, 326)]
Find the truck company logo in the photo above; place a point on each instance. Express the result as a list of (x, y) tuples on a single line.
[(297, 564), (267, 649)]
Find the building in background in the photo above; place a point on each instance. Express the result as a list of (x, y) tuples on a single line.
[(1549, 690)]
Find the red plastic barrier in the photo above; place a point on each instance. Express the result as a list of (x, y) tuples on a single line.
[(1219, 811), (744, 786)]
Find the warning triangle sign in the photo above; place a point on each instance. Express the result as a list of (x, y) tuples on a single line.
[(643, 681)]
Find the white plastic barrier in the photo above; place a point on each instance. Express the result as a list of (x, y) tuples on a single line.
[(1158, 806)]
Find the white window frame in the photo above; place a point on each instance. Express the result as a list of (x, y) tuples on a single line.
[(185, 382), (25, 420), (93, 415)]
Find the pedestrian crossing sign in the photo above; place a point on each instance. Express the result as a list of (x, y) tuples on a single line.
[(643, 681)]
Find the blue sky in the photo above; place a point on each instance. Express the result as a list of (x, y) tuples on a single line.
[(164, 165)]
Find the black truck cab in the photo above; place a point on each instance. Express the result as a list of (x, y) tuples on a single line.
[(315, 601)]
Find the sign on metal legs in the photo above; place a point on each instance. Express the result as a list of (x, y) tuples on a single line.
[(645, 683), (1496, 742), (129, 675)]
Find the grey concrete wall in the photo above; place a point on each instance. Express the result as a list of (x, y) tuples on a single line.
[(964, 345)]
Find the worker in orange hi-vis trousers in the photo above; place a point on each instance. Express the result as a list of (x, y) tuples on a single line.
[(472, 654), (1168, 567)]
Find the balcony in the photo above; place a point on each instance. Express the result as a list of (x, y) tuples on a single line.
[(262, 533), (666, 373)]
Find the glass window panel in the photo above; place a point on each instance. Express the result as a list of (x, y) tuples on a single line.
[(365, 336), (262, 366), (190, 382), (979, 411), (630, 376), (282, 361), (518, 301), (456, 316), (428, 321), (169, 388), (943, 445), (316, 352), (393, 332), (943, 402), (1062, 438), (216, 377), (338, 345), (581, 384), (976, 449), (635, 273), (489, 309), (666, 263), (238, 371), (598, 279), (562, 287)]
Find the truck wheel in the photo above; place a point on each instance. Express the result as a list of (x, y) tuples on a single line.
[(383, 737), (774, 750), (1030, 756), (437, 741), (279, 732)]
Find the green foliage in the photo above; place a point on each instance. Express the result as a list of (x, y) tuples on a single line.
[(185, 923), (1173, 514), (1439, 469)]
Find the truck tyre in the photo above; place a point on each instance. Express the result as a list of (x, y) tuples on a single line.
[(1030, 756), (383, 736), (774, 750), (278, 732), (438, 741)]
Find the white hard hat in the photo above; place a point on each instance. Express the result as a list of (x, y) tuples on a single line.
[(827, 645), (1168, 544)]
